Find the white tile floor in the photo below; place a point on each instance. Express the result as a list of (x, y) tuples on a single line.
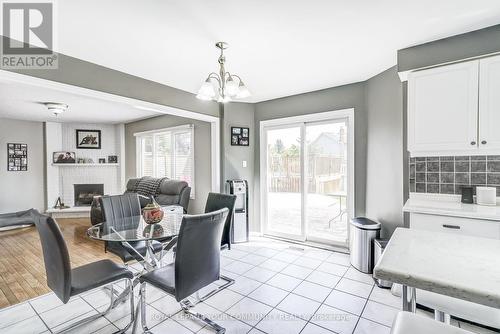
[(278, 289)]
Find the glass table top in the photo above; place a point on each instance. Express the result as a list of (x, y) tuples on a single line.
[(136, 229)]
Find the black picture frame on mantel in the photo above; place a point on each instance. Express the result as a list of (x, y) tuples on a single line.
[(240, 136), (88, 139)]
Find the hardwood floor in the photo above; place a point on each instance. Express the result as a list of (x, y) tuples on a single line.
[(22, 271)]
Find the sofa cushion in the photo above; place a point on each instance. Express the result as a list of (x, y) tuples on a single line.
[(172, 187), (167, 199)]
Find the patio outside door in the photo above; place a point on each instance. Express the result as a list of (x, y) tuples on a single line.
[(306, 193)]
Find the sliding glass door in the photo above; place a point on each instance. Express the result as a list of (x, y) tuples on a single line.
[(306, 194), (284, 181), (326, 178)]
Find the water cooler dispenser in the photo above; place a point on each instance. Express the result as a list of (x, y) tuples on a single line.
[(239, 188)]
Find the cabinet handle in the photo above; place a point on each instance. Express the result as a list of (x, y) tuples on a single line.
[(473, 143), (455, 227), (484, 142)]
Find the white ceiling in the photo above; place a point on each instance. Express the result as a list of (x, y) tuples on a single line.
[(279, 47), (24, 102)]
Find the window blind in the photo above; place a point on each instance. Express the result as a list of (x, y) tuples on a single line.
[(167, 153)]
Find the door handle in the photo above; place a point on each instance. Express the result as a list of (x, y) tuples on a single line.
[(454, 227), (484, 142), (473, 142)]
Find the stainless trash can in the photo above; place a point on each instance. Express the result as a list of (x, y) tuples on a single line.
[(378, 249), (362, 233)]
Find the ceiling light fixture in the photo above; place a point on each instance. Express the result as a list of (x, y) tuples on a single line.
[(222, 86), (56, 108)]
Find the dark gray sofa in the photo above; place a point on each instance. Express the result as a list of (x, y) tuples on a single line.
[(171, 192), (17, 219)]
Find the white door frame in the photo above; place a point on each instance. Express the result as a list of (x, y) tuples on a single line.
[(6, 76), (310, 118)]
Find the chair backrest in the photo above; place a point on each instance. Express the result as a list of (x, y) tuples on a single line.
[(116, 207), (197, 259), (55, 256), (216, 201), (119, 206)]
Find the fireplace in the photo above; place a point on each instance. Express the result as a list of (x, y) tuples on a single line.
[(84, 193)]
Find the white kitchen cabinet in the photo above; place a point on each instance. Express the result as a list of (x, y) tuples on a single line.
[(489, 104), (443, 109)]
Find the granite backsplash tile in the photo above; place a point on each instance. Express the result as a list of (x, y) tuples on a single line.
[(448, 174)]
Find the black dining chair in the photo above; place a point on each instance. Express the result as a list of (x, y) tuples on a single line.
[(216, 201), (115, 208), (196, 265), (66, 282)]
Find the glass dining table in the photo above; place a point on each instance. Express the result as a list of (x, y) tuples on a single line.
[(135, 228)]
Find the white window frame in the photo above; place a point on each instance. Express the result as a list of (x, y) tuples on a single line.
[(173, 130)]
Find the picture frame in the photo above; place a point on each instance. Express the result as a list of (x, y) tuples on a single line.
[(64, 157), (240, 136), (88, 139), (17, 157)]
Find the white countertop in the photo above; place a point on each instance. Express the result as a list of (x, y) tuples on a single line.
[(450, 206), (458, 266)]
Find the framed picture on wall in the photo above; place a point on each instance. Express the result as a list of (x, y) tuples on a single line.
[(64, 157), (240, 136), (88, 139), (112, 159), (17, 157)]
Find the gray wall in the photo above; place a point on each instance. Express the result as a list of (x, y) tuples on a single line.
[(472, 44), (384, 150), (342, 97), (240, 114), (202, 154), (22, 190)]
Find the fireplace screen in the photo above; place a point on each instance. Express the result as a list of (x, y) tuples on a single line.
[(84, 193)]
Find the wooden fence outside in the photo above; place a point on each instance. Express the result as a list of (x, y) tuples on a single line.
[(326, 173)]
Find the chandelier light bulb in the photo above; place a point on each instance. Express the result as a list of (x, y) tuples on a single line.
[(231, 87), (242, 91), (207, 90)]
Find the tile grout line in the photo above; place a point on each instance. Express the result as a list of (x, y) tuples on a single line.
[(39, 317)]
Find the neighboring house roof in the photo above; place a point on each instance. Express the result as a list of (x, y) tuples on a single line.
[(329, 143)]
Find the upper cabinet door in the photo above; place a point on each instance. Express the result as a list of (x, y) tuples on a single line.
[(489, 104), (443, 109)]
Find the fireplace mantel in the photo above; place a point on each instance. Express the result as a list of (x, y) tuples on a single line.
[(61, 177), (87, 165)]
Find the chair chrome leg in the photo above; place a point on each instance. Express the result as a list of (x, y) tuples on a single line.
[(442, 317), (101, 314), (121, 298), (229, 282), (186, 307), (142, 302), (409, 298)]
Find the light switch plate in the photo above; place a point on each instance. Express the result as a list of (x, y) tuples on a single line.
[(244, 163)]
